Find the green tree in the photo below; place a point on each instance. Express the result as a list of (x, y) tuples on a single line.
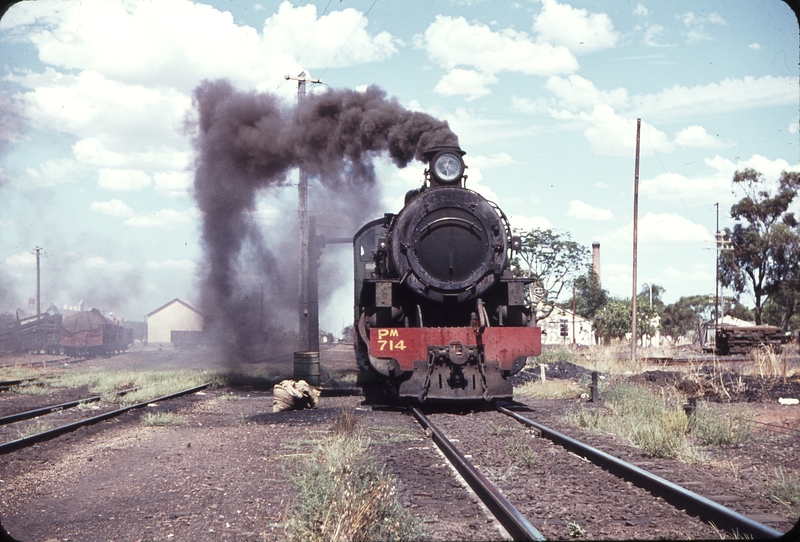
[(590, 298), (682, 317), (553, 259), (648, 306), (764, 243), (614, 319)]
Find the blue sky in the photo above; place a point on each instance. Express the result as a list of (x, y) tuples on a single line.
[(96, 168)]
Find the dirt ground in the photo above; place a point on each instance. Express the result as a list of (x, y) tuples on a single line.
[(222, 473)]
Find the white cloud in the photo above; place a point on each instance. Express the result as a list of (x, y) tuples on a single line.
[(575, 29), (696, 25), (298, 33), (453, 42), (754, 46), (601, 184), (660, 229), (98, 262), (641, 10), (163, 218), (527, 223), (652, 32), (614, 135), (56, 171), (697, 137), (714, 186), (173, 265), (467, 83), (724, 97), (22, 260), (112, 207), (792, 129), (177, 183), (575, 92), (584, 211), (131, 180)]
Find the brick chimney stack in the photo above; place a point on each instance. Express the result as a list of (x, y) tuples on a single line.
[(596, 259)]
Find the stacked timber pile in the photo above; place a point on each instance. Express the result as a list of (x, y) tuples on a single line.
[(740, 340)]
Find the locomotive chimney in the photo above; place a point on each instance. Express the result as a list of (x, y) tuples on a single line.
[(596, 260)]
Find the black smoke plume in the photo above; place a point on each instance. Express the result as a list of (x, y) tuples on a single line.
[(246, 143)]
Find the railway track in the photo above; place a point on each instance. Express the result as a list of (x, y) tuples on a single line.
[(526, 524), (42, 411), (25, 442)]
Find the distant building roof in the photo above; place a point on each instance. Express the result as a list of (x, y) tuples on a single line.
[(176, 300)]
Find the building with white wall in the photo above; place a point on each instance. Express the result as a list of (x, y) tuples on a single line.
[(562, 326), (174, 316)]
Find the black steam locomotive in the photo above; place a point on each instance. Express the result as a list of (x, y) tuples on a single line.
[(437, 313)]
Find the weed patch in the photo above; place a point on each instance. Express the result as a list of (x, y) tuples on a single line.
[(784, 488), (34, 428), (711, 427), (342, 494), (161, 419), (550, 389), (520, 451), (655, 424)]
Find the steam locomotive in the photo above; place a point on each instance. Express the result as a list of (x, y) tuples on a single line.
[(438, 315)]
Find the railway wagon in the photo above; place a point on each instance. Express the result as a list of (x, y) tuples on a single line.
[(438, 314), (89, 333)]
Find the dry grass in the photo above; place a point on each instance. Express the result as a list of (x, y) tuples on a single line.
[(343, 495), (767, 364), (784, 488), (162, 419), (153, 384), (34, 428), (655, 424), (550, 389)]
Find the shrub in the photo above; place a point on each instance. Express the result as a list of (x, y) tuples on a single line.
[(714, 428)]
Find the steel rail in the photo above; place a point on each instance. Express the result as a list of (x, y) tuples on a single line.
[(509, 517), (19, 444), (708, 510), (12, 418)]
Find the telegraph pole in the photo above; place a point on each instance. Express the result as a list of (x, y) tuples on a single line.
[(302, 209), (716, 274), (37, 251), (635, 236)]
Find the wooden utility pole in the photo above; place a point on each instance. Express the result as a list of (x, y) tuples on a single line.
[(302, 209), (716, 274), (38, 283), (635, 240)]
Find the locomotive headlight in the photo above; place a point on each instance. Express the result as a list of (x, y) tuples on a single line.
[(448, 167)]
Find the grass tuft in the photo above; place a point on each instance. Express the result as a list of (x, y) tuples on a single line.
[(162, 419), (39, 426), (345, 424), (343, 495), (521, 453), (784, 488)]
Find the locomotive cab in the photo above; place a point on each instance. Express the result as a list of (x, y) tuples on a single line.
[(437, 312)]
